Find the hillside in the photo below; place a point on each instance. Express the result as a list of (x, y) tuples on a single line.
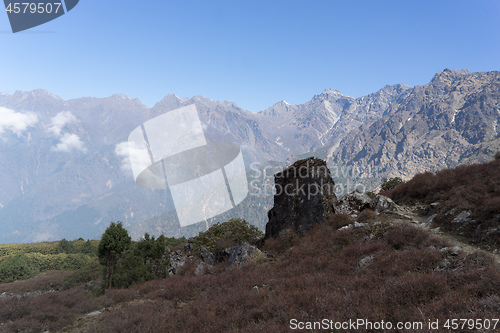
[(378, 262), (22, 261), (464, 200), (385, 271)]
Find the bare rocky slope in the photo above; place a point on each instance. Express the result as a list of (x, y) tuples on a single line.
[(435, 126)]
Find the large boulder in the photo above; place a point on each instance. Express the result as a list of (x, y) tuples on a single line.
[(305, 195), (383, 204), (462, 219), (353, 203), (177, 261), (207, 256), (242, 253)]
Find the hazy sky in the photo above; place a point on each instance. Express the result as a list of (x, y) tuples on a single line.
[(254, 53)]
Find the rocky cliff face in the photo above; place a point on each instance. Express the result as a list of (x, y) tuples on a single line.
[(305, 195), (430, 127)]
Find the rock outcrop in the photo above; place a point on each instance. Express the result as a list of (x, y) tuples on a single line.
[(383, 204), (177, 261), (353, 203), (242, 253), (305, 195)]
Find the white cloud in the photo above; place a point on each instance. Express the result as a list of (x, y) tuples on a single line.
[(132, 154), (69, 142), (60, 120), (16, 122)]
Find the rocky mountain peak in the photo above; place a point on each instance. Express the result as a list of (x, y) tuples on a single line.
[(448, 74), (393, 89), (281, 105), (121, 96), (36, 93), (330, 94)]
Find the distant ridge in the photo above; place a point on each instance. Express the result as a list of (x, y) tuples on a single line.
[(74, 184)]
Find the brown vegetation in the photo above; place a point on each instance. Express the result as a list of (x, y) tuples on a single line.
[(474, 187), (312, 276), (49, 280)]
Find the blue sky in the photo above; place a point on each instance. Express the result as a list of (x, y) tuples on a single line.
[(254, 53)]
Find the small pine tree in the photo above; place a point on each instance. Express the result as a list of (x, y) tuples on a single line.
[(89, 248), (229, 233), (114, 242), (145, 260), (16, 268), (64, 246), (389, 184)]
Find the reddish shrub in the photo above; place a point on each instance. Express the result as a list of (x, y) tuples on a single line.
[(367, 215), (473, 187), (318, 277)]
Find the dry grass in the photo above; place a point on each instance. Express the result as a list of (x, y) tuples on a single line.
[(473, 187), (314, 276), (49, 280)]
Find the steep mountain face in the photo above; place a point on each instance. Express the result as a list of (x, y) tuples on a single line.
[(325, 119), (431, 127), (64, 171)]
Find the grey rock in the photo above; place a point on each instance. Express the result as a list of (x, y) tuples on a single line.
[(434, 205), (445, 263), (177, 260), (207, 256), (353, 203), (188, 247), (305, 196), (429, 220), (95, 313), (383, 204), (201, 269), (366, 261), (455, 250), (242, 253), (461, 220), (353, 225)]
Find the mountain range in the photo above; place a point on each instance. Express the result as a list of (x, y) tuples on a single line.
[(64, 171)]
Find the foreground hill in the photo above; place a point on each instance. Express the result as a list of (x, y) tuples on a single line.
[(386, 270), (464, 200)]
